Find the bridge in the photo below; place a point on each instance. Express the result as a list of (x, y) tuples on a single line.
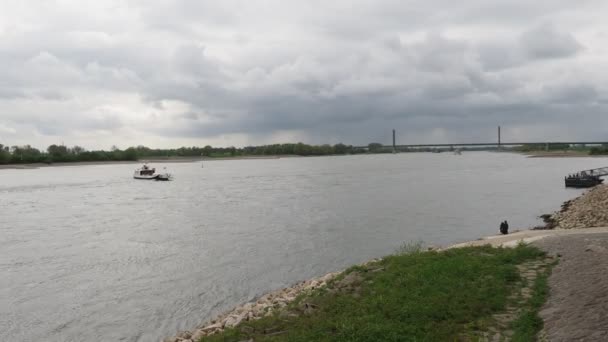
[(498, 144), (490, 144)]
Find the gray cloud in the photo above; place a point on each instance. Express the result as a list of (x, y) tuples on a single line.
[(198, 72), (546, 42)]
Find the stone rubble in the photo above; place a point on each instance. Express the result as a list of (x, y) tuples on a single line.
[(586, 211), (264, 306)]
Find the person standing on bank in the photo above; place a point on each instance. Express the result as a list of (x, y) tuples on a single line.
[(504, 227)]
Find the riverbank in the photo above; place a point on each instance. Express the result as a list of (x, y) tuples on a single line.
[(370, 302), (295, 302), (262, 319), (589, 210), (143, 160), (561, 154)]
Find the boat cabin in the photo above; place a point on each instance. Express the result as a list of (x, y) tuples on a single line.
[(146, 171)]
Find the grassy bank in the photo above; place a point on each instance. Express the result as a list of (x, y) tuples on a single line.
[(413, 296), (558, 154), (529, 323)]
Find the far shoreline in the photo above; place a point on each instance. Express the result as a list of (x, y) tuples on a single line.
[(172, 160), (562, 154)]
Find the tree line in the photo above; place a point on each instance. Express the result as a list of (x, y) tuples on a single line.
[(592, 150), (61, 153)]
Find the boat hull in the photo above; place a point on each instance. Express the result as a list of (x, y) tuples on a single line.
[(152, 177), (147, 173), (582, 182)]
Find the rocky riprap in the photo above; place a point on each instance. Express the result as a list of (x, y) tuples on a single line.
[(264, 306), (588, 210)]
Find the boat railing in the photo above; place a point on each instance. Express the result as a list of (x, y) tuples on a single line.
[(598, 172)]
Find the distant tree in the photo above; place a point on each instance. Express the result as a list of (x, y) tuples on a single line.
[(301, 149), (341, 148), (57, 150), (559, 146), (58, 153), (25, 154), (130, 154), (207, 150), (374, 147), (325, 150), (77, 150), (597, 150), (232, 151), (5, 155)]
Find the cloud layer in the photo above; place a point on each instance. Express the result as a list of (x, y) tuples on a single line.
[(176, 72)]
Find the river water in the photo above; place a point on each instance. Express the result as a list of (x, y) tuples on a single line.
[(88, 253)]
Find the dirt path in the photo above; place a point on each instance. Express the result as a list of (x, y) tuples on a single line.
[(528, 236), (577, 308), (498, 327)]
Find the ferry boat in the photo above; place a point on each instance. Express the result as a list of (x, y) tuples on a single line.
[(582, 181), (149, 173)]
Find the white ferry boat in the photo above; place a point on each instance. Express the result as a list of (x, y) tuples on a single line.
[(146, 172)]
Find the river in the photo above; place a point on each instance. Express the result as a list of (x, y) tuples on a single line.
[(88, 253)]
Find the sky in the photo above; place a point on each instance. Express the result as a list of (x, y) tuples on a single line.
[(170, 73)]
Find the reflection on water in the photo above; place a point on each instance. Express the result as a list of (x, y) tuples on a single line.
[(88, 253)]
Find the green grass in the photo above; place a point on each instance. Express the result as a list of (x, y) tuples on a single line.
[(412, 296), (529, 323)]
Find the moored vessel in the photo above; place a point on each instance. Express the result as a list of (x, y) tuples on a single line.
[(582, 181), (149, 173)]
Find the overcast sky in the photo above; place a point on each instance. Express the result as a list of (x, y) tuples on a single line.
[(167, 73)]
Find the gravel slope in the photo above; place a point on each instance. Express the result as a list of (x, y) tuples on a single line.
[(577, 308)]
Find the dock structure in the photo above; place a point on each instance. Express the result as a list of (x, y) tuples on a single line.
[(586, 178), (599, 172)]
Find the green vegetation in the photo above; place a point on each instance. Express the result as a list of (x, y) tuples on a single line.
[(599, 150), (410, 296), (298, 149), (542, 147), (575, 149), (60, 153), (529, 323)]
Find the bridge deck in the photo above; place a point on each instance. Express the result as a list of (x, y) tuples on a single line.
[(495, 144)]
